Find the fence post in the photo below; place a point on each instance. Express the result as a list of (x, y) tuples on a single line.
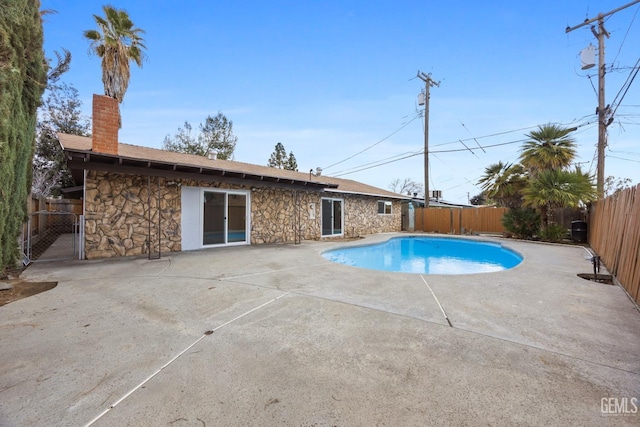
[(42, 206)]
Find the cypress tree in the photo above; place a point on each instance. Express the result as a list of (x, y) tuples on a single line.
[(22, 82), (280, 160)]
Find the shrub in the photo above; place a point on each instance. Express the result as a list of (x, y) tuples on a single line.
[(22, 80), (553, 233), (523, 223)]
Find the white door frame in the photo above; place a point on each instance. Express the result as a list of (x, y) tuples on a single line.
[(332, 200), (226, 193), (192, 217)]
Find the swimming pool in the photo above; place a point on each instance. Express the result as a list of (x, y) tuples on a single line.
[(428, 255)]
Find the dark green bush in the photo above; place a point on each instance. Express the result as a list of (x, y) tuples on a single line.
[(553, 233), (22, 81), (522, 223)]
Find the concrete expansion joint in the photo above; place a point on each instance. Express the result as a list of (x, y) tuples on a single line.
[(189, 347)]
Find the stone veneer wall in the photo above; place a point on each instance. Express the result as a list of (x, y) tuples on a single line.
[(276, 213), (117, 214), (361, 216)]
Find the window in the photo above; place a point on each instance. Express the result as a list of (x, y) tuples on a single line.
[(384, 207)]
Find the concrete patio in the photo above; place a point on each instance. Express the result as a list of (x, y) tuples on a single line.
[(277, 335)]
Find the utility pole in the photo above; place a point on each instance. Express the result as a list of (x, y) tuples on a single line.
[(428, 82), (603, 111)]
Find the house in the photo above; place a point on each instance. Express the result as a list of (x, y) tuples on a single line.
[(139, 200)]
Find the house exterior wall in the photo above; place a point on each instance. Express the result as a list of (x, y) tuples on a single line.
[(117, 211), (118, 208), (361, 216)]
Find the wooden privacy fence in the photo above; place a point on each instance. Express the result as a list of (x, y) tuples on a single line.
[(73, 206), (614, 233), (460, 220)]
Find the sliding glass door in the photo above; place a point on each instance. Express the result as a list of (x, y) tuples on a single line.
[(237, 214), (224, 218), (332, 217)]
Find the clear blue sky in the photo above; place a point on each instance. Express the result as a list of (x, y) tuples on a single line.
[(331, 78)]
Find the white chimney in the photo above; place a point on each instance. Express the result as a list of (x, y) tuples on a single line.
[(213, 155)]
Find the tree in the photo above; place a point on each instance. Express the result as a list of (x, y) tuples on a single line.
[(116, 42), (60, 112), (64, 62), (183, 142), (406, 186), (541, 181), (278, 157), (548, 147), (216, 135), (557, 188), (503, 183), (280, 160), (23, 77), (613, 185), (493, 177), (292, 163)]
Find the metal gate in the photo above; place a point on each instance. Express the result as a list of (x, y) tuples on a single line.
[(51, 236)]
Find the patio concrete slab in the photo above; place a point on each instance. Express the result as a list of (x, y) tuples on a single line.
[(309, 362), (299, 340)]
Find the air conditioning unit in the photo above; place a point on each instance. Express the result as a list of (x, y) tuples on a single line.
[(436, 194)]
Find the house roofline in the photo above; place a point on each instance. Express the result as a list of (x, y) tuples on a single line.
[(382, 196), (90, 160)]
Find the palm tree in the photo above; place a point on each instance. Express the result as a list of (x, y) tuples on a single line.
[(503, 183), (556, 188), (117, 42), (492, 174), (548, 147)]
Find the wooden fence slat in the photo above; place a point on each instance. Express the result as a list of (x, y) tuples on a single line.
[(453, 220), (614, 233)]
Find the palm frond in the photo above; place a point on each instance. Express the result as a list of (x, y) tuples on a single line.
[(118, 43)]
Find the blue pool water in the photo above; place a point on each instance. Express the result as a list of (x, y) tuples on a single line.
[(428, 255)]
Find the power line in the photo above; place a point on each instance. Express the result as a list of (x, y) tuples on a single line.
[(485, 136), (514, 130), (631, 153), (604, 118), (406, 153), (373, 145), (626, 34), (380, 164), (409, 154), (385, 161), (622, 158), (625, 86)]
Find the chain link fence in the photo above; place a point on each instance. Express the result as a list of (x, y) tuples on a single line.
[(51, 236)]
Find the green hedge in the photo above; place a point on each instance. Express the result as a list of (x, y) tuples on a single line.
[(22, 82)]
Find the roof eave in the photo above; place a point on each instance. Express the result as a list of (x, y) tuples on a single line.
[(89, 160), (362, 193)]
